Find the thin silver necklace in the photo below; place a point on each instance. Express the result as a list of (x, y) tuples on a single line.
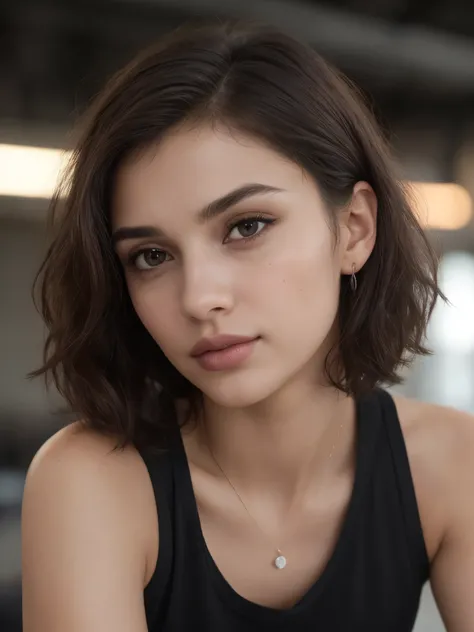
[(280, 560)]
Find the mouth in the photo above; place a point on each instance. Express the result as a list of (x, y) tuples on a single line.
[(228, 357), (219, 343)]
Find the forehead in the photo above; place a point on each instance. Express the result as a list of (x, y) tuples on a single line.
[(191, 167)]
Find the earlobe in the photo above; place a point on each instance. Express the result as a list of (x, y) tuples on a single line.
[(361, 224)]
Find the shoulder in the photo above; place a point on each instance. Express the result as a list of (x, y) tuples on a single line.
[(80, 450), (439, 435), (440, 447), (80, 480), (80, 456)]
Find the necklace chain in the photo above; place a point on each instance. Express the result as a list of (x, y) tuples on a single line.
[(280, 560)]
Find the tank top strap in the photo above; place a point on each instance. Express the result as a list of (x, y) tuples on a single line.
[(159, 466), (404, 482)]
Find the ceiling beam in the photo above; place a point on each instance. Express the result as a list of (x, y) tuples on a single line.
[(433, 58)]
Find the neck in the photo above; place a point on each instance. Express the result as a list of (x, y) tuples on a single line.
[(284, 445)]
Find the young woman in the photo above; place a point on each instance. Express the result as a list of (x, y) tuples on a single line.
[(236, 271)]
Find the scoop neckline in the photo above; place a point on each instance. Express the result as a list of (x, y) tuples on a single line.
[(365, 441)]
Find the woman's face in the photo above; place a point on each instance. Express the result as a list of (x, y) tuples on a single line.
[(262, 263)]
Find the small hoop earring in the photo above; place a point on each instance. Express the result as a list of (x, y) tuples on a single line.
[(353, 279)]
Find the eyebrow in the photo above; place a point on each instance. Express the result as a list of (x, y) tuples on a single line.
[(216, 207)]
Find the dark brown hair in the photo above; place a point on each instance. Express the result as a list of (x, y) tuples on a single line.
[(262, 82)]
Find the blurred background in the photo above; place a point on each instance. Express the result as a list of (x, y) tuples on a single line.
[(414, 58)]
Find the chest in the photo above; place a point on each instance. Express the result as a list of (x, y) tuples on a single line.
[(243, 548), (346, 569)]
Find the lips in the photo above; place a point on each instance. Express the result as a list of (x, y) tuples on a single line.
[(229, 357), (218, 343)]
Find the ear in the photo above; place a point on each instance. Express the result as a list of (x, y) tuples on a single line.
[(358, 228)]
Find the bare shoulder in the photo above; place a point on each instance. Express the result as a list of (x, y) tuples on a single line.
[(88, 523), (77, 450), (440, 446), (78, 455), (440, 435), (80, 459)]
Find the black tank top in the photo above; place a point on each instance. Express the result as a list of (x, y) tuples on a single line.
[(372, 580)]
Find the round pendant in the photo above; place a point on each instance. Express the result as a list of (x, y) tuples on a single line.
[(280, 562)]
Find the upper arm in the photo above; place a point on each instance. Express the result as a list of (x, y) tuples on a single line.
[(83, 552), (452, 573)]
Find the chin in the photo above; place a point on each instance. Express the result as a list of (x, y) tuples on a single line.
[(233, 391)]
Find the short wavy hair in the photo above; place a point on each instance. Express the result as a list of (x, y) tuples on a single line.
[(260, 81)]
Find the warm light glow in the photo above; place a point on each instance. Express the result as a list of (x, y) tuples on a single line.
[(34, 172), (31, 172), (442, 206)]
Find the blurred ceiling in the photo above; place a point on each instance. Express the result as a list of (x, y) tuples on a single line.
[(412, 55)]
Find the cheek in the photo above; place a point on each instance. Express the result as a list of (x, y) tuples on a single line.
[(300, 280), (299, 296)]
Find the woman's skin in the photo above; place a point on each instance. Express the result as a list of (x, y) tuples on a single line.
[(90, 524)]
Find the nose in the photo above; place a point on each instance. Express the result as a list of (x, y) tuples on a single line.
[(207, 287)]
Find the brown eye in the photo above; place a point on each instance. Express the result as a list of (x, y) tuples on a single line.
[(149, 258), (248, 228)]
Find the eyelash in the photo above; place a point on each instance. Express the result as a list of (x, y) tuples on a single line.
[(249, 219), (230, 227)]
